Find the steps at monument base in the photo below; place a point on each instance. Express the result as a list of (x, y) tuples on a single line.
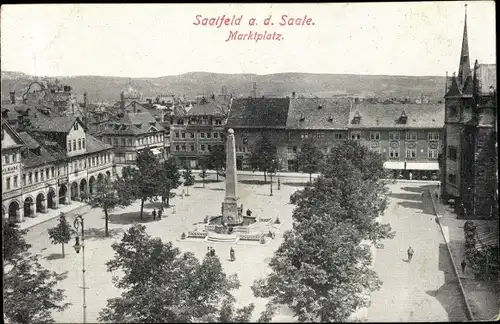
[(214, 237)]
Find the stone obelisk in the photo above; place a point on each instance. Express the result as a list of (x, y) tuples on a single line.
[(231, 214)]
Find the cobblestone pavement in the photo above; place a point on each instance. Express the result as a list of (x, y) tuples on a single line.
[(406, 294)]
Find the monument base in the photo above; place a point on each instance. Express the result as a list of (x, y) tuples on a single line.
[(232, 215)]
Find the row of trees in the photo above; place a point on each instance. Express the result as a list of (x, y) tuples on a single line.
[(322, 270), (264, 157)]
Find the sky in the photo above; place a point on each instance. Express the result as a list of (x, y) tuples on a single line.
[(152, 40)]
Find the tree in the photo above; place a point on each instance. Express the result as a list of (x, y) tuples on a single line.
[(14, 244), (370, 163), (262, 155), (147, 180), (61, 233), (322, 274), (30, 295), (161, 285), (321, 270), (108, 195), (204, 166), (309, 158), (188, 178), (217, 159), (170, 179)]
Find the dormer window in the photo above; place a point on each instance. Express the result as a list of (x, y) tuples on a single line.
[(75, 127), (320, 106), (138, 125), (330, 119), (357, 118), (403, 118), (302, 118)]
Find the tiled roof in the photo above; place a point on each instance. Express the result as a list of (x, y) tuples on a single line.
[(387, 115), (316, 113), (44, 153), (487, 77), (179, 111), (95, 145), (259, 112), (210, 107), (60, 124), (128, 124), (32, 110), (30, 142)]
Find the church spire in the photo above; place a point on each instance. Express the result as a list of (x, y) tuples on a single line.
[(464, 67)]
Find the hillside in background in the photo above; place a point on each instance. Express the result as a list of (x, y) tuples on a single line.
[(105, 88)]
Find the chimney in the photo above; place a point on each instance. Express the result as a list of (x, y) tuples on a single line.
[(12, 97), (122, 100), (85, 99), (293, 95)]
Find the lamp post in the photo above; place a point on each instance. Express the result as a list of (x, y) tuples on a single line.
[(78, 224), (279, 168), (271, 175)]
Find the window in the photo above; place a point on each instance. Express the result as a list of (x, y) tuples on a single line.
[(209, 135), (41, 175), (93, 161), (74, 145), (452, 153), (304, 135), (411, 136), (24, 179), (433, 154), (192, 147), (202, 135), (52, 171), (176, 134), (129, 142), (433, 136), (374, 136), (7, 182), (180, 121), (7, 158), (15, 181), (36, 176), (290, 149), (453, 111), (452, 178), (75, 127), (183, 135), (295, 149), (337, 136), (177, 148), (83, 143), (216, 135), (183, 147), (394, 153), (192, 135), (47, 173), (394, 136), (218, 122), (69, 146), (209, 147), (30, 178), (221, 135), (79, 144), (356, 135), (123, 142), (202, 147), (411, 153)]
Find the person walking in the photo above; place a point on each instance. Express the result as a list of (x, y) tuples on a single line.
[(160, 211), (410, 176), (154, 214), (231, 254), (410, 254), (463, 264)]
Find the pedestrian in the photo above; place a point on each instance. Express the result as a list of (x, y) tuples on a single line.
[(463, 264), (249, 213), (410, 254), (159, 213), (212, 251), (154, 214), (410, 176), (183, 193), (231, 254), (208, 251)]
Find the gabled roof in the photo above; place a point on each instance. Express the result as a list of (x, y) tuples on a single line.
[(45, 153), (388, 115), (30, 142), (15, 135), (317, 113), (95, 145), (133, 124), (62, 124), (209, 107), (259, 112)]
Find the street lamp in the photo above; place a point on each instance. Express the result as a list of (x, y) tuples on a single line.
[(271, 175), (279, 168), (78, 224)]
